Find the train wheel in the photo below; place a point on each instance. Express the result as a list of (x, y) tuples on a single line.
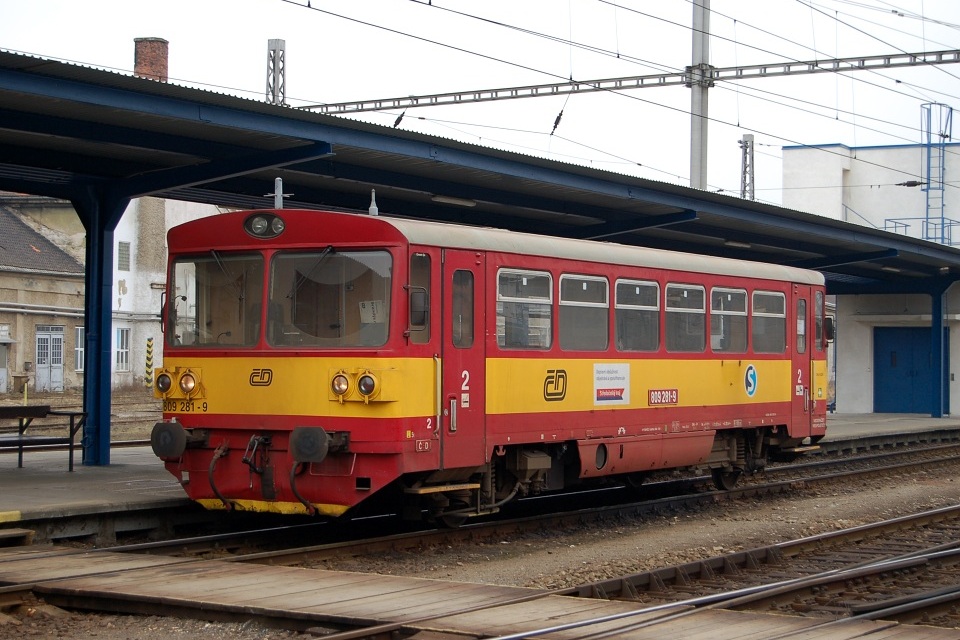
[(456, 511), (634, 481), (453, 520), (725, 480)]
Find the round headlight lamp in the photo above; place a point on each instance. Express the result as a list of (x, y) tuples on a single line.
[(258, 225), (188, 383), (164, 382), (264, 225), (366, 384), (340, 384)]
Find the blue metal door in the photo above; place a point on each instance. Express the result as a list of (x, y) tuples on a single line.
[(903, 370)]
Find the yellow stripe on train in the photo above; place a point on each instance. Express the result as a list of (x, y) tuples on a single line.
[(263, 506), (292, 385), (544, 385)]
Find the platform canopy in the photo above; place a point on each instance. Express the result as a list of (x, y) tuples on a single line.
[(70, 132)]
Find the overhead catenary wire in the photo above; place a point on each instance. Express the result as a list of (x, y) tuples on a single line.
[(499, 23), (743, 118)]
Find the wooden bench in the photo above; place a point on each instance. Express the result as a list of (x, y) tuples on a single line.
[(25, 415)]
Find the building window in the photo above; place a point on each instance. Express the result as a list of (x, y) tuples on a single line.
[(79, 342), (686, 318), (123, 256), (638, 315), (584, 309), (123, 350)]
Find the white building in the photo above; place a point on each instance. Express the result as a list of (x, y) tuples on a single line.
[(139, 260), (883, 346)]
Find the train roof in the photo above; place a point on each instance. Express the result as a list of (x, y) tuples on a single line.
[(492, 239)]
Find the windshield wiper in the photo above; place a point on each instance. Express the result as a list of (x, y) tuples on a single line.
[(304, 276)]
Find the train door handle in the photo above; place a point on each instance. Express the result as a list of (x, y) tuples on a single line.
[(453, 414), (806, 398)]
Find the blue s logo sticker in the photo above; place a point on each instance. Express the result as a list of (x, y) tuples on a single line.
[(750, 380)]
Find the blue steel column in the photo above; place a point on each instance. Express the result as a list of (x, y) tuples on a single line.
[(939, 361), (100, 216)]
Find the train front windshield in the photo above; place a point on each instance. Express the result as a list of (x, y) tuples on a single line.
[(324, 298)]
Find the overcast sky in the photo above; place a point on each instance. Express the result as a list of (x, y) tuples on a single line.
[(343, 50)]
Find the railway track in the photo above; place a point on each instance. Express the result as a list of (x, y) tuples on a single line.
[(730, 574), (363, 536), (245, 533), (903, 569)]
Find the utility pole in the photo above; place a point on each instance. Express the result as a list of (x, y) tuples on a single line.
[(700, 79)]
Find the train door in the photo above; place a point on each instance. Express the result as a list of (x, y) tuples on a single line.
[(463, 437), (803, 356)]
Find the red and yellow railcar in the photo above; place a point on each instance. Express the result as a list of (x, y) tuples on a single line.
[(313, 360)]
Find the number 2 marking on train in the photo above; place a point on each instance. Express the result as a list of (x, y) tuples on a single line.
[(466, 380), (799, 376)]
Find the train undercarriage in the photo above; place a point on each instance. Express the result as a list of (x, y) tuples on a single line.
[(452, 496)]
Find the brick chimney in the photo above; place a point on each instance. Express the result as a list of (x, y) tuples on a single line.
[(150, 58)]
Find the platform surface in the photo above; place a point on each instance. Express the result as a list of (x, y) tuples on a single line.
[(137, 479)]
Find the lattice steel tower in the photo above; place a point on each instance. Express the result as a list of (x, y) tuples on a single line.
[(936, 123), (276, 72)]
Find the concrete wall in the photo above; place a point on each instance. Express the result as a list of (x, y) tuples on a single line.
[(31, 300), (862, 185)]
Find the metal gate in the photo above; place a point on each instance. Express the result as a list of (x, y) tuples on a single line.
[(49, 358)]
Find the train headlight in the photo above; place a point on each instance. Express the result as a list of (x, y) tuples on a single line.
[(264, 225), (188, 383), (258, 225), (340, 384), (367, 385), (164, 382)]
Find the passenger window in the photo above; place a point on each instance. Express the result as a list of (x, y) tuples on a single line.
[(728, 320), (686, 318), (420, 279), (524, 309), (462, 312), (584, 313), (769, 322), (637, 315)]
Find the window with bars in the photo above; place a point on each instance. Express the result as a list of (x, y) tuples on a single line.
[(123, 256), (79, 344), (123, 350)]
